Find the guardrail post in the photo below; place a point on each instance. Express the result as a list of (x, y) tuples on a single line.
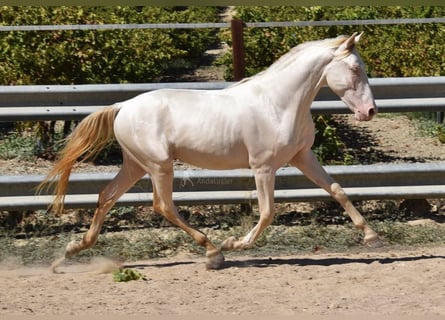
[(237, 28)]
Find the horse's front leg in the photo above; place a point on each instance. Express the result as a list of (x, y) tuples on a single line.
[(307, 162), (265, 183)]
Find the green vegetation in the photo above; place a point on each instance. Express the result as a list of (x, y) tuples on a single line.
[(100, 56), (17, 146), (124, 275), (406, 50), (426, 124)]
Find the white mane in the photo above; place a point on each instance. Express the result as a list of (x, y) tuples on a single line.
[(289, 57)]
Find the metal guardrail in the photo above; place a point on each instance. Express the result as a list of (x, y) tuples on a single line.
[(18, 103), (192, 187), (38, 113)]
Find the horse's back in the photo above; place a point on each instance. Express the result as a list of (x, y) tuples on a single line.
[(200, 127)]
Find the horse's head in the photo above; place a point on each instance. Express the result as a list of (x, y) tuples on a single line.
[(345, 75)]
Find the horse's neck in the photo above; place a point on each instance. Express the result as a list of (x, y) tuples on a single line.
[(297, 84)]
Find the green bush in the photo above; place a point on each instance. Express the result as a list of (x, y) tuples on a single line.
[(388, 50), (98, 56)]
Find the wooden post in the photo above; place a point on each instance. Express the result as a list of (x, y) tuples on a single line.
[(237, 27)]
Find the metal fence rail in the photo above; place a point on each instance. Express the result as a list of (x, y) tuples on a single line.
[(217, 25), (191, 187), (38, 113), (66, 102)]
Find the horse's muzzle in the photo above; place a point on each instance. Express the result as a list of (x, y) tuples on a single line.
[(367, 115)]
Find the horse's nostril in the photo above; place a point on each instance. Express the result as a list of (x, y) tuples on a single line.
[(371, 112)]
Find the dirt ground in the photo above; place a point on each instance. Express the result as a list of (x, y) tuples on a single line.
[(385, 282)]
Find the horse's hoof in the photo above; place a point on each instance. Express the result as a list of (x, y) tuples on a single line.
[(228, 244), (55, 264), (374, 242), (215, 261), (71, 249)]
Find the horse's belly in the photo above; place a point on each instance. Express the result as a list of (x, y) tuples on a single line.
[(215, 160)]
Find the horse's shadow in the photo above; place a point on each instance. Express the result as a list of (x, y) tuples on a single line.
[(302, 262), (324, 262)]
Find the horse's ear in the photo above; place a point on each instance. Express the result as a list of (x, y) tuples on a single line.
[(358, 37), (349, 44)]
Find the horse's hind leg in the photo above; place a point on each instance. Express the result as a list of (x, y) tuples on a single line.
[(129, 174), (162, 180), (311, 168)]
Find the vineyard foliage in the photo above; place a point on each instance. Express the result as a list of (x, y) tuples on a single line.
[(100, 56), (404, 50)]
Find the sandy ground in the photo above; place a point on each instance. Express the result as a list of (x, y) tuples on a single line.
[(384, 282)]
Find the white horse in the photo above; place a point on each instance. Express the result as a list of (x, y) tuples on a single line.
[(261, 123)]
